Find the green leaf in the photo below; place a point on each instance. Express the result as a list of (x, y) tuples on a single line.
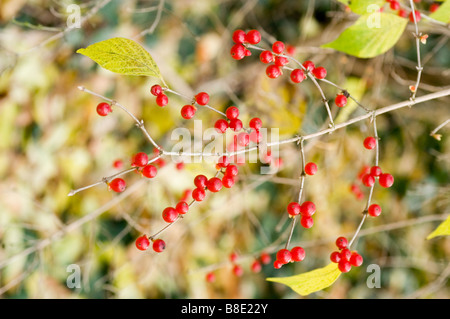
[(371, 35), (442, 230), (365, 6), (312, 281), (443, 13), (124, 56)]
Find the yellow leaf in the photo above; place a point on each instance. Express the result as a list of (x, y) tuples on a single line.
[(124, 56), (312, 281), (442, 230)]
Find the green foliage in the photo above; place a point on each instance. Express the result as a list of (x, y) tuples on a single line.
[(371, 35), (442, 230)]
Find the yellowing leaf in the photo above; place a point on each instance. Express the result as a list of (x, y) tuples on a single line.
[(312, 281), (442, 230), (371, 35), (124, 56)]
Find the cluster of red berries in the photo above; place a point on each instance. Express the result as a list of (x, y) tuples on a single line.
[(285, 256), (143, 243), (395, 6), (345, 258), (238, 50), (238, 270), (140, 162), (306, 210), (369, 177), (188, 111), (161, 97)]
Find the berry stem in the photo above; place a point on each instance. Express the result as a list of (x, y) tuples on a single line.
[(349, 95), (190, 99), (419, 63), (139, 123), (109, 178)]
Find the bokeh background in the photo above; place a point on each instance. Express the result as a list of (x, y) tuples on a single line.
[(52, 141)]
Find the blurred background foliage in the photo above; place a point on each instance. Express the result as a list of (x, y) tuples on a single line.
[(52, 141)]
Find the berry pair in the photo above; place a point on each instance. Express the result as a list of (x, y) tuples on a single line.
[(344, 257), (285, 256), (188, 111), (143, 243), (161, 98), (171, 214), (384, 179)]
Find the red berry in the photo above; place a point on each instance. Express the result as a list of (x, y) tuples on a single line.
[(297, 253), (233, 257), (281, 61), (149, 171), (293, 208), (169, 214), (200, 181), (297, 75), (118, 185), (265, 258), (142, 243), (214, 184), (159, 245), (118, 164), (319, 72), (375, 171), (253, 37), (156, 90), (340, 100), (179, 165), (266, 57), (202, 98), (140, 159), (210, 277), (243, 139), (417, 14), (284, 256), (394, 5), (236, 125), (255, 123), (277, 264), (182, 207), (228, 181), (198, 194), (162, 99), (402, 13), (256, 136), (356, 259), (273, 71), (237, 51), (188, 111), (278, 47), (239, 36), (256, 266), (386, 180), (311, 168), (231, 170), (434, 7), (344, 265), (223, 161), (341, 242), (335, 256), (346, 254), (307, 221), (370, 142), (232, 112), (307, 209), (103, 109), (221, 126), (238, 270), (309, 65), (247, 52), (368, 180)]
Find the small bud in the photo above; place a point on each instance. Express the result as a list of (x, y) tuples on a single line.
[(424, 38)]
